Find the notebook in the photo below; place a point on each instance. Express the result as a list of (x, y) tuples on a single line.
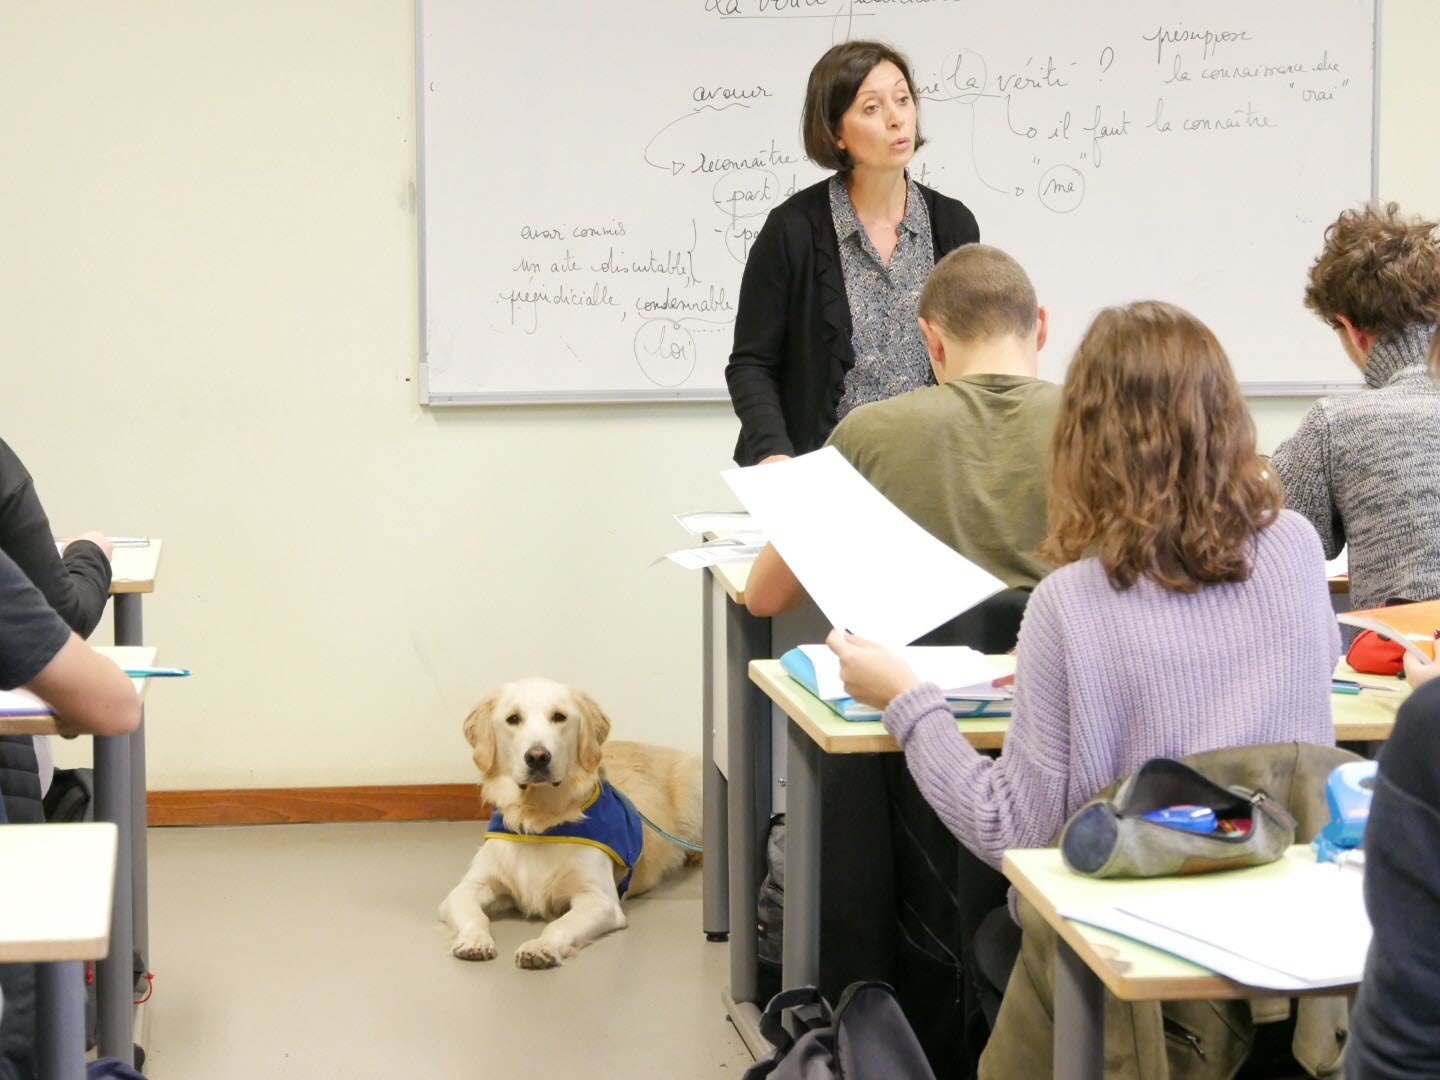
[(973, 684), (22, 703)]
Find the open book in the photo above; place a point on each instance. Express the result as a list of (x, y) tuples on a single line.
[(1405, 624), (972, 683)]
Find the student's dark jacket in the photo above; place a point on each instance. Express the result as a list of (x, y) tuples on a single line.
[(78, 584), (792, 328), (1395, 1025)]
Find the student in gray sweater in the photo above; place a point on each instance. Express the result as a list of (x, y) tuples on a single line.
[(1189, 613), (1365, 467)]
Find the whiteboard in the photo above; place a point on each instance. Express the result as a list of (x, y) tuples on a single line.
[(592, 175)]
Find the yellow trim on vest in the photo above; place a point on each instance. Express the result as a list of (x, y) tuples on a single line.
[(526, 838)]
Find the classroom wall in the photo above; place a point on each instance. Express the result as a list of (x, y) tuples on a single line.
[(209, 333)]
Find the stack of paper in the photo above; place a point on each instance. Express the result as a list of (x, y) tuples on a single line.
[(972, 682), (867, 566), (22, 703), (1304, 930)]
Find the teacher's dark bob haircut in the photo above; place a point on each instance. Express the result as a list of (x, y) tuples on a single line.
[(834, 81)]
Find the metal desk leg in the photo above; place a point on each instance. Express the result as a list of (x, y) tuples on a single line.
[(748, 799), (802, 860), (114, 976), (60, 1008), (128, 631), (1079, 1018), (715, 827)]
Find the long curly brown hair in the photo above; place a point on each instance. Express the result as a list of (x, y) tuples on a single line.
[(1155, 469)]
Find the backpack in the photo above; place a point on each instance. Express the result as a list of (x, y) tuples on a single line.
[(866, 1037)]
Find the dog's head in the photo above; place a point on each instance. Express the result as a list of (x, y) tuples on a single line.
[(536, 731)]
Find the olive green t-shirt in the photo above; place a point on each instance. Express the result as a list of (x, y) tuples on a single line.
[(968, 461)]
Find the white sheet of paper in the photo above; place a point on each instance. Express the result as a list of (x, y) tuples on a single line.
[(718, 522), (867, 566), (713, 554), (1338, 565), (950, 667), (1306, 930), (21, 703)]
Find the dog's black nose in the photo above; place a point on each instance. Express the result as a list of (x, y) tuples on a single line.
[(537, 758)]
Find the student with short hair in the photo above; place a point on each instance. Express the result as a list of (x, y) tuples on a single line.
[(1179, 572), (968, 458), (1363, 467)]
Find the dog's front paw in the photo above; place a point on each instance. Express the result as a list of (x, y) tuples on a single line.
[(476, 947), (537, 954)]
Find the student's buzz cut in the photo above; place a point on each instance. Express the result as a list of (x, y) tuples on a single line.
[(978, 292)]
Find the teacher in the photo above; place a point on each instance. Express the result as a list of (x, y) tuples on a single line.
[(827, 318)]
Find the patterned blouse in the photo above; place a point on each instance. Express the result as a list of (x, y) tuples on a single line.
[(890, 352)]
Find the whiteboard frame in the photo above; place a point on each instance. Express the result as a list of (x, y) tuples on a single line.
[(631, 397)]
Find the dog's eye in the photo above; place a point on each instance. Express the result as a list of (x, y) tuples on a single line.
[(558, 718), (513, 719)]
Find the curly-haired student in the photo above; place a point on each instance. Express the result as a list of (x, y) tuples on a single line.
[(1362, 467)]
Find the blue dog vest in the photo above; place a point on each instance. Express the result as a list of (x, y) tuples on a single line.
[(611, 823)]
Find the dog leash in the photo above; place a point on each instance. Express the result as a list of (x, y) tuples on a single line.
[(673, 839)]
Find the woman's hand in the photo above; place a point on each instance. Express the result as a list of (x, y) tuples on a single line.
[(873, 674), (1417, 673), (773, 458)]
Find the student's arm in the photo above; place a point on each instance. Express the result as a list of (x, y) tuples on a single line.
[(1302, 462), (1017, 800), (753, 373), (89, 693), (76, 585), (772, 586)]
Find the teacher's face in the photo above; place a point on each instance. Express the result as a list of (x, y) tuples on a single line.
[(878, 129)]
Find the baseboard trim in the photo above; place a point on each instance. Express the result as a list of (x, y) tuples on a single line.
[(289, 806)]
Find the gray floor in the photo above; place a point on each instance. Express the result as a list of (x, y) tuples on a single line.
[(313, 951)]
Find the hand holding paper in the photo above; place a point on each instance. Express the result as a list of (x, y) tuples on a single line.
[(866, 565), (872, 674)]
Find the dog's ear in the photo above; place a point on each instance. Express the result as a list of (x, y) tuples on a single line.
[(594, 730), (481, 736)]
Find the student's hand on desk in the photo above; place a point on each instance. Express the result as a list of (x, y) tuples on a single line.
[(1419, 674), (99, 540), (873, 674), (774, 458)]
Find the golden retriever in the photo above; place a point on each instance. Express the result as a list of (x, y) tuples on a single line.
[(541, 751)]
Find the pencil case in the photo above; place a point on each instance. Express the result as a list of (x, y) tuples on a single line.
[(1114, 838)]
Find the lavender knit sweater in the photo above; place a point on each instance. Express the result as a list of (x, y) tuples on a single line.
[(1107, 679)]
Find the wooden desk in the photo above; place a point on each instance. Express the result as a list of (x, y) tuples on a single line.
[(1089, 960), (1370, 715), (55, 912), (133, 571), (114, 780), (814, 729), (744, 741)]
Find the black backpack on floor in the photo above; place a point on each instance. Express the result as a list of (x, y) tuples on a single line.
[(866, 1037)]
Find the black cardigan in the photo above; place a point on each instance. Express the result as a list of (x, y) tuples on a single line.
[(1392, 1024), (792, 328)]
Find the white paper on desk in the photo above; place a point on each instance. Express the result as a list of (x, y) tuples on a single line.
[(713, 554), (718, 523), (1305, 930), (867, 566), (22, 703), (958, 671), (1340, 565)]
